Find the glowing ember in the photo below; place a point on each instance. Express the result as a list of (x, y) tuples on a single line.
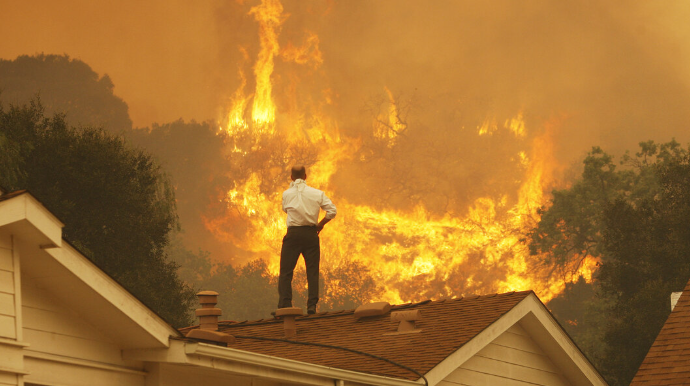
[(415, 254)]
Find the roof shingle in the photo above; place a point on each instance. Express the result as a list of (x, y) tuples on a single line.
[(668, 360), (446, 325)]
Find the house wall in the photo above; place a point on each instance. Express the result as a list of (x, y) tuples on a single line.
[(512, 359), (175, 375), (11, 345), (65, 350), (165, 374), (8, 311)]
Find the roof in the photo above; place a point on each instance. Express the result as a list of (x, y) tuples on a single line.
[(446, 325), (7, 196), (668, 360)]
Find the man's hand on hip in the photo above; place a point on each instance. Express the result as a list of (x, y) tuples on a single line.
[(320, 225)]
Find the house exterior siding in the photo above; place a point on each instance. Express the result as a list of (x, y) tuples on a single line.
[(11, 345), (512, 359), (63, 346), (8, 292), (173, 375)]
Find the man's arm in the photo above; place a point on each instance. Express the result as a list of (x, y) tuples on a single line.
[(319, 226), (329, 208)]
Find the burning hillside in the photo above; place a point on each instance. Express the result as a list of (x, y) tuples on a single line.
[(411, 206)]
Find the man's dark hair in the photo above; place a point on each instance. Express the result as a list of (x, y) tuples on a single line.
[(298, 171)]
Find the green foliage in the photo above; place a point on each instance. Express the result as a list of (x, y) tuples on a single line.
[(647, 244), (10, 161), (193, 267), (348, 286), (634, 219), (254, 291), (194, 155), (570, 228), (66, 86), (117, 204), (579, 309)]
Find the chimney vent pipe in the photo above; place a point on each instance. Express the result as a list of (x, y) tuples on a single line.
[(288, 315), (372, 309), (208, 320), (407, 320), (208, 313)]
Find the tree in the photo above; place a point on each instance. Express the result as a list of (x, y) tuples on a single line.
[(194, 155), (570, 228), (647, 245), (581, 310), (9, 161), (67, 86), (116, 202), (630, 219)]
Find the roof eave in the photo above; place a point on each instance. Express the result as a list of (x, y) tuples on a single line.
[(74, 279), (331, 373), (237, 361)]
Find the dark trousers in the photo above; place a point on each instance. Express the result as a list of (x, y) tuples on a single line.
[(305, 241)]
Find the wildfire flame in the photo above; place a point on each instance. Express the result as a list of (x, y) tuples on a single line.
[(270, 17), (413, 254)]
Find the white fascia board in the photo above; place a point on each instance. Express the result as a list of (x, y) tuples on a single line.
[(577, 368), (550, 336), (86, 271), (26, 217)]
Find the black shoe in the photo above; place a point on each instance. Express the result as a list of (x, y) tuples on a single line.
[(311, 310)]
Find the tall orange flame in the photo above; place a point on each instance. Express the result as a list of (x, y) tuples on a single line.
[(270, 16)]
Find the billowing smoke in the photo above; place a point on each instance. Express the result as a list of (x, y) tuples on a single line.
[(619, 70)]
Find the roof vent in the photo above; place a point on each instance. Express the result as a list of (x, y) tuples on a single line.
[(372, 309), (674, 299), (289, 314), (208, 313), (407, 321), (208, 320)]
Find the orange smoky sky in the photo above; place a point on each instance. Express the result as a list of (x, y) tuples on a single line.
[(619, 69), (159, 54)]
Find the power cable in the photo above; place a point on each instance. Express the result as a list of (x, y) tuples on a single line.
[(426, 382)]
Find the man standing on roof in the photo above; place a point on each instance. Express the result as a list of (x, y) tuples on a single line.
[(302, 204)]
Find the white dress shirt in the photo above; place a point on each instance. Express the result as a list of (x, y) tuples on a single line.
[(302, 204)]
